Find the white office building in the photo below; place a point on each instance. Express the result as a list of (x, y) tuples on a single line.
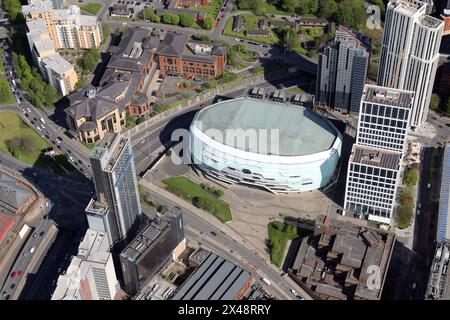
[(410, 52), (372, 179), (384, 118), (91, 274)]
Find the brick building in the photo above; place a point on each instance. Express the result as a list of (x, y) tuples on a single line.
[(179, 56)]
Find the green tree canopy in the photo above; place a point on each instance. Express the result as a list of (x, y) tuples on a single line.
[(186, 20), (208, 23), (435, 101), (171, 18)]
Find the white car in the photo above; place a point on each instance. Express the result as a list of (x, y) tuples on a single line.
[(38, 128), (28, 110), (71, 159), (32, 249), (294, 292)]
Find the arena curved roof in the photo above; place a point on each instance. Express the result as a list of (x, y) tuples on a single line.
[(301, 131)]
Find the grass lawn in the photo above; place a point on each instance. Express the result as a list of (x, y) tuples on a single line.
[(6, 95), (188, 190), (11, 125), (249, 21), (406, 210), (88, 145), (272, 9), (213, 9), (92, 8), (279, 234)]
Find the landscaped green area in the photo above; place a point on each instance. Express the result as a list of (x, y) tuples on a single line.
[(2, 60), (88, 61), (92, 8), (18, 140), (406, 210), (213, 9), (250, 20), (40, 93), (6, 96), (279, 233), (184, 19), (199, 196)]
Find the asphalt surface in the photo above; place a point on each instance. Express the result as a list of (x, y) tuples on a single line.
[(49, 131), (250, 259), (151, 139)]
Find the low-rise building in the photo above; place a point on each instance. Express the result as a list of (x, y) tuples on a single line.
[(343, 261), (312, 22), (120, 10), (191, 3), (179, 55), (215, 279), (439, 282), (122, 88), (445, 15), (257, 33), (14, 198), (238, 23), (91, 274)]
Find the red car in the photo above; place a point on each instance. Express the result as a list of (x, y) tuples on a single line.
[(202, 105), (223, 15), (19, 273), (13, 274)]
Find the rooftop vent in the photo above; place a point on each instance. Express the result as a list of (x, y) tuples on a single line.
[(91, 93)]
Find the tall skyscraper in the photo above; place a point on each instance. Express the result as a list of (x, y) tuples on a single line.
[(410, 52), (372, 179), (117, 206), (384, 118), (342, 70)]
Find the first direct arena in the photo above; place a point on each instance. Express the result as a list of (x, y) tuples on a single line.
[(274, 146)]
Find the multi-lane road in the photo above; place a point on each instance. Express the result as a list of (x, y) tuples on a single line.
[(46, 128), (205, 231)]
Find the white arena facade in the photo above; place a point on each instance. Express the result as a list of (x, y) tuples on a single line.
[(277, 147)]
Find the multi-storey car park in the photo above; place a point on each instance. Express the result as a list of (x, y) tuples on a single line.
[(279, 147)]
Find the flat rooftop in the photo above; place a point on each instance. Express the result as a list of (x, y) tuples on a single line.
[(57, 63), (301, 131), (443, 232), (215, 279), (388, 96), (376, 157), (336, 261)]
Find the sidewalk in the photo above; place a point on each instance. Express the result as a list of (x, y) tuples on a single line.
[(221, 226)]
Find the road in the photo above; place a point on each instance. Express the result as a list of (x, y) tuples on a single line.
[(47, 129), (151, 139), (250, 258), (17, 273)]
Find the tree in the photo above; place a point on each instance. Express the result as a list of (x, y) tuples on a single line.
[(290, 5), (307, 6), (171, 18), (411, 177), (208, 23), (5, 91), (25, 144), (150, 14), (328, 8), (14, 8), (435, 102), (447, 106), (186, 20)]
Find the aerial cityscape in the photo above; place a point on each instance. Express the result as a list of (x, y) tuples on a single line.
[(240, 150)]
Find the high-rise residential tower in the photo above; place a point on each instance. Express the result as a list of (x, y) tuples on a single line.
[(117, 206), (342, 70), (410, 52), (384, 118)]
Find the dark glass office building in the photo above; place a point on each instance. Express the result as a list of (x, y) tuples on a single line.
[(152, 248)]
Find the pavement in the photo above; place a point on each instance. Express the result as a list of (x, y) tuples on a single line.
[(226, 238)]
